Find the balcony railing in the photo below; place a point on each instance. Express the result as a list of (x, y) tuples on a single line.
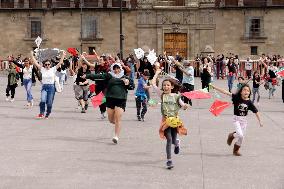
[(132, 4), (249, 3)]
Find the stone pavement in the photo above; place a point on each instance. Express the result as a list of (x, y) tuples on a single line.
[(74, 151)]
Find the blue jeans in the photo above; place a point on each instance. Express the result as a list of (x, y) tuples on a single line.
[(230, 81), (47, 97), (28, 86)]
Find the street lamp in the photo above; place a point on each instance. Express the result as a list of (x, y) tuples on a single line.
[(81, 32), (121, 37)]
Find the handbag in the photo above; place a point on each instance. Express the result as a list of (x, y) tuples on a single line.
[(58, 88)]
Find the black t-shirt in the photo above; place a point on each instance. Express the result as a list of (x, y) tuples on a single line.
[(255, 85), (271, 74), (81, 73), (232, 67), (241, 107)]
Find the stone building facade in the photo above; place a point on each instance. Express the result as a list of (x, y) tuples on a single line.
[(190, 27)]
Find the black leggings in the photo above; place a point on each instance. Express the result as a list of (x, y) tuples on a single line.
[(187, 88), (11, 88), (140, 102), (171, 136)]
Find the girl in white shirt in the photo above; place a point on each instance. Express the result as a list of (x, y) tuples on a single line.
[(48, 87)]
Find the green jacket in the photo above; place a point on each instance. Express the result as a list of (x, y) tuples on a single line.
[(12, 76), (115, 87)]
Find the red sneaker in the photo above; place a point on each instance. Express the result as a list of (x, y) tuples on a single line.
[(39, 116)]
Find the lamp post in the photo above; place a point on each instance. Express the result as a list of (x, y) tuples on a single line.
[(121, 37), (81, 32)]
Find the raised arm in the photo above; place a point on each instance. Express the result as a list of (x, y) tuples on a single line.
[(221, 90), (61, 59), (87, 62), (34, 61)]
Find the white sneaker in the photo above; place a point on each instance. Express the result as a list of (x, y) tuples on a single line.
[(7, 99), (115, 140), (32, 103), (103, 116), (12, 100)]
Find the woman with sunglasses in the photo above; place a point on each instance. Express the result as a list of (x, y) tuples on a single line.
[(29, 72), (48, 87)]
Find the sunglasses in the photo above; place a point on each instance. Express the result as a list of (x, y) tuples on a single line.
[(46, 64)]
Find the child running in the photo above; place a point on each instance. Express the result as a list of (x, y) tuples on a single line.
[(171, 123), (256, 82), (141, 96), (242, 104)]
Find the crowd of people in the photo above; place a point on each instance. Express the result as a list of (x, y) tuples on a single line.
[(114, 76)]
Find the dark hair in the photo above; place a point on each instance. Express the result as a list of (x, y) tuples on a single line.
[(256, 72), (115, 67), (240, 77), (175, 83), (238, 93), (146, 73), (47, 60)]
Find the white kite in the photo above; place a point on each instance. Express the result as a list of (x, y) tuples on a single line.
[(152, 57), (38, 41), (139, 53)]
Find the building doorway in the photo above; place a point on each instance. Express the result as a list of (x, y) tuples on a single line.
[(176, 42)]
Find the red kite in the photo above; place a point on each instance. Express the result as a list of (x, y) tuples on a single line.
[(92, 88), (218, 106), (97, 100), (281, 73), (196, 95), (72, 51)]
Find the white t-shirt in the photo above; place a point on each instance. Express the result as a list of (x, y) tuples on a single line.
[(27, 72), (189, 79), (48, 75), (248, 65)]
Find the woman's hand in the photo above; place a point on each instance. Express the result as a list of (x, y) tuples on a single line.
[(83, 76), (126, 81)]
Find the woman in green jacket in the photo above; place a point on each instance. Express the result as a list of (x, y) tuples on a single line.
[(12, 81), (116, 95)]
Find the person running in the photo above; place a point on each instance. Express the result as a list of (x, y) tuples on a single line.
[(116, 95), (232, 72), (141, 96), (28, 73), (48, 86), (13, 78), (256, 83), (188, 79), (171, 124), (242, 104)]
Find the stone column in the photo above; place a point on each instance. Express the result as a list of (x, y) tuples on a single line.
[(26, 4), (54, 4), (72, 3), (43, 5), (109, 3), (240, 3), (100, 3), (16, 3)]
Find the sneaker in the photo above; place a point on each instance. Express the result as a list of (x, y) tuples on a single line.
[(103, 116), (176, 150), (115, 140), (39, 116), (46, 117), (83, 110), (12, 100), (7, 99), (138, 117), (170, 164), (31, 103)]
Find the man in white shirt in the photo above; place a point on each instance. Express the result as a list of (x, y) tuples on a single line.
[(188, 78), (248, 67)]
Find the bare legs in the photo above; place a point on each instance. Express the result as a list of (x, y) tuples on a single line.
[(114, 117)]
